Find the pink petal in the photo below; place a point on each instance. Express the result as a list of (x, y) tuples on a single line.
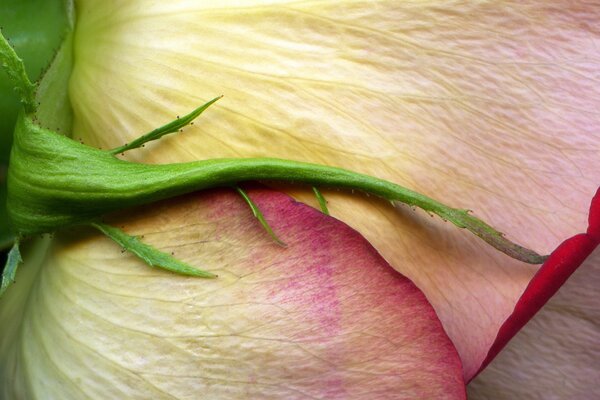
[(326, 317)]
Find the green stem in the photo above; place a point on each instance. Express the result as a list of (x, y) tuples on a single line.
[(56, 182)]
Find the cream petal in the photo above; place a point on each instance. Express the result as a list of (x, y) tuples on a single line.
[(487, 105)]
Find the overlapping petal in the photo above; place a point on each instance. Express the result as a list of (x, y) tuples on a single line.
[(556, 354), (563, 261), (324, 318), (490, 105)]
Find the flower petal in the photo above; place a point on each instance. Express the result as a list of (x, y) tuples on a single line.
[(556, 270), (486, 105), (555, 356), (532, 364), (324, 318)]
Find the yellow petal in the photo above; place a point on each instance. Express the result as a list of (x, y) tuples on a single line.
[(488, 105)]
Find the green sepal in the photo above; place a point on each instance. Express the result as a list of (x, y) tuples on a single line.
[(172, 127), (321, 200), (12, 64), (150, 255), (10, 269), (260, 217)]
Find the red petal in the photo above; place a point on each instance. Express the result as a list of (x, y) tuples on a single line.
[(594, 219), (552, 275)]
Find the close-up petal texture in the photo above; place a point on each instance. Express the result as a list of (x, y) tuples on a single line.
[(487, 105), (324, 318), (563, 261), (556, 355)]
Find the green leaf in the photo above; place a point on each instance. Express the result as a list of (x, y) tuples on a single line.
[(36, 29), (150, 255)]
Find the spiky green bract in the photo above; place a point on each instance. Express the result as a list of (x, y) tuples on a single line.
[(55, 182), (10, 269), (260, 217), (14, 67), (321, 200), (171, 127), (150, 255)]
